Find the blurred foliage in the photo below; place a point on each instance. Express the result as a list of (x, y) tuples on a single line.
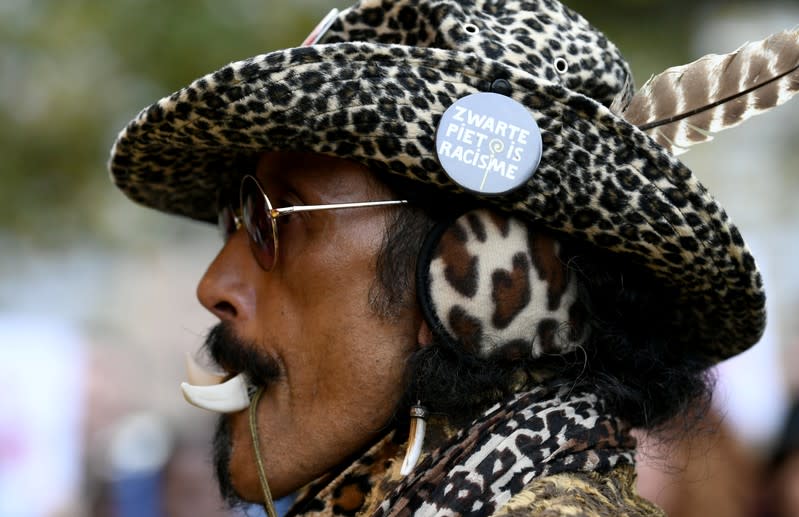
[(73, 73)]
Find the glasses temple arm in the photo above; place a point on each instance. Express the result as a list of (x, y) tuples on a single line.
[(277, 212)]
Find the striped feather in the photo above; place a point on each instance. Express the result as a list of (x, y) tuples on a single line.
[(686, 105)]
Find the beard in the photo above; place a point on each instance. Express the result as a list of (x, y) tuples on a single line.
[(222, 446), (234, 355)]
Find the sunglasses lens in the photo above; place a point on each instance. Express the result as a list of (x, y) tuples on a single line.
[(258, 221), (226, 221)]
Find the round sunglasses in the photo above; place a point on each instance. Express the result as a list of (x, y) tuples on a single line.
[(260, 218)]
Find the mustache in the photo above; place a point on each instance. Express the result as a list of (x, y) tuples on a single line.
[(240, 356)]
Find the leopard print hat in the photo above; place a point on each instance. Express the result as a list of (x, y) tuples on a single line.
[(374, 89)]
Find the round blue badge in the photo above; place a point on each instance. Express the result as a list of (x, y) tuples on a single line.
[(488, 143)]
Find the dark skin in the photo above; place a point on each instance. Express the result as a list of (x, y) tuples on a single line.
[(341, 365)]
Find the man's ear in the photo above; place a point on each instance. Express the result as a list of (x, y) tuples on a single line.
[(425, 336)]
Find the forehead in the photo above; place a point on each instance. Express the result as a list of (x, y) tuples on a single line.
[(316, 173)]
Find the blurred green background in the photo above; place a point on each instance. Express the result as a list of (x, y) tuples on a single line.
[(72, 73), (119, 279)]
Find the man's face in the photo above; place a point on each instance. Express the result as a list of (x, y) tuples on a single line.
[(339, 366)]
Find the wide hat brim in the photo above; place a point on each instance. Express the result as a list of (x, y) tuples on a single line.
[(600, 180)]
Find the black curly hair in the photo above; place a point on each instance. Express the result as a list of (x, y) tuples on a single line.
[(630, 360)]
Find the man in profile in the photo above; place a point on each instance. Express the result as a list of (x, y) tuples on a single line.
[(453, 276)]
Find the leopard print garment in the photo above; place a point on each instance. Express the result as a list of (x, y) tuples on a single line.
[(478, 469), (494, 285)]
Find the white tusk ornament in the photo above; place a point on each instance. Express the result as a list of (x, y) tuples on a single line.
[(208, 392)]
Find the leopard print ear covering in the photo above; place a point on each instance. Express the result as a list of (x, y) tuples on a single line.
[(497, 287)]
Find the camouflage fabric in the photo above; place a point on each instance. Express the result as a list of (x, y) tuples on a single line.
[(582, 494)]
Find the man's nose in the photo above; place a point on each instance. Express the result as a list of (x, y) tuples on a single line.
[(227, 288)]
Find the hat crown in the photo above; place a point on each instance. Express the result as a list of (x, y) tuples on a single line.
[(542, 38)]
